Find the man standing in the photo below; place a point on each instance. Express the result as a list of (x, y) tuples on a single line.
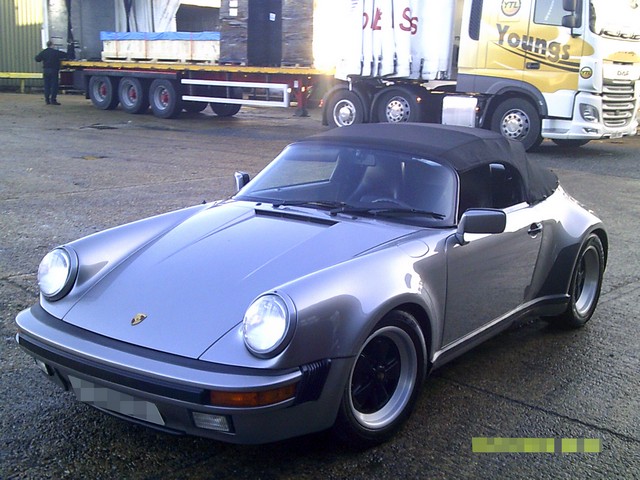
[(50, 58)]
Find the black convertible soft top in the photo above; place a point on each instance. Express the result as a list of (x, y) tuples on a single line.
[(462, 148)]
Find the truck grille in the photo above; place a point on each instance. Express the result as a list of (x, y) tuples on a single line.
[(617, 103)]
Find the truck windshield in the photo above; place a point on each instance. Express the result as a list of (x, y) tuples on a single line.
[(615, 18)]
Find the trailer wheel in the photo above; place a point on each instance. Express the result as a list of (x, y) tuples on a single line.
[(102, 91), (517, 119), (226, 109), (194, 107), (563, 143), (344, 108), (132, 95), (397, 105), (164, 98)]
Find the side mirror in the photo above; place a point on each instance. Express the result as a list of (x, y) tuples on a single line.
[(570, 21), (570, 5), (241, 178), (483, 221)]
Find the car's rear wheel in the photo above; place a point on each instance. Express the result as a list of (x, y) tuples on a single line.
[(384, 382), (586, 282)]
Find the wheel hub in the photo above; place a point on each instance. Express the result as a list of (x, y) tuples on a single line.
[(345, 113), (398, 110), (515, 124)]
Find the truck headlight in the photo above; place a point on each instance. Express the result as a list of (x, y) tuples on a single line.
[(268, 325), (589, 113), (57, 273)]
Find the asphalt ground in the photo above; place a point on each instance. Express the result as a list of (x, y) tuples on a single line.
[(72, 170)]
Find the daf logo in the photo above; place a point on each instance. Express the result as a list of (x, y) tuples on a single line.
[(510, 7), (138, 319), (586, 72), (623, 73)]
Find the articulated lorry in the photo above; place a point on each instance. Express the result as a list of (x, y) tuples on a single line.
[(567, 70)]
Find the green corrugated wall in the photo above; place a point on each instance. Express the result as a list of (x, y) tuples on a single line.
[(20, 39)]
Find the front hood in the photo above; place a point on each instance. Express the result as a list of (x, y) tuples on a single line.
[(195, 282)]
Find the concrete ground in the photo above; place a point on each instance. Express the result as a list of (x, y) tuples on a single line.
[(73, 170)]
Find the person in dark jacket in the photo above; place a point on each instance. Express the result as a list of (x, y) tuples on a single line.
[(50, 58)]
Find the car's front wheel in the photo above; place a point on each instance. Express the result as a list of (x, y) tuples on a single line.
[(384, 382), (586, 282)]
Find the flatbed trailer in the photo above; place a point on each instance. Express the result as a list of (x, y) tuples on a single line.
[(169, 88)]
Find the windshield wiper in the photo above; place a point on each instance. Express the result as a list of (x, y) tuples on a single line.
[(341, 207), (386, 211), (306, 203)]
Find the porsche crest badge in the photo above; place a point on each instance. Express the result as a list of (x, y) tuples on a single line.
[(138, 319)]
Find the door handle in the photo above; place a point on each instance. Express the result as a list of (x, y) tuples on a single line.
[(534, 229)]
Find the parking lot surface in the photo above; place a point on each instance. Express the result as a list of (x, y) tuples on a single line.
[(72, 170)]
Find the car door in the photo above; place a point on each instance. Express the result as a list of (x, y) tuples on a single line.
[(490, 276)]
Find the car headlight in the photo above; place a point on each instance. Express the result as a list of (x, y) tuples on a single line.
[(57, 273), (268, 325)]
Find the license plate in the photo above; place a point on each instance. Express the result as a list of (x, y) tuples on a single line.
[(616, 135), (115, 401)]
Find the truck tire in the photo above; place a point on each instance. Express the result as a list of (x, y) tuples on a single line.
[(517, 119), (194, 107), (164, 98), (397, 105), (569, 143), (226, 109), (133, 95), (102, 92), (344, 108)]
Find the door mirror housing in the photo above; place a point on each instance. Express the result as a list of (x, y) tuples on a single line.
[(481, 221), (241, 178)]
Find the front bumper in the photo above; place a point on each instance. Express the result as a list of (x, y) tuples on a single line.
[(171, 393), (577, 128)]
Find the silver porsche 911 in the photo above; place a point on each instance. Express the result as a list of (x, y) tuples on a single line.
[(323, 293)]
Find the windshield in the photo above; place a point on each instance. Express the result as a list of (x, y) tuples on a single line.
[(615, 18), (345, 179)]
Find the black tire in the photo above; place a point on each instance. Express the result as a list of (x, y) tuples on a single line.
[(102, 92), (226, 109), (345, 108), (133, 96), (586, 283), (398, 105), (517, 119), (384, 382), (164, 98), (194, 107), (569, 143)]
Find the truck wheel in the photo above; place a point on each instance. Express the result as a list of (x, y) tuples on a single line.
[(517, 119), (398, 105), (164, 99), (226, 109), (102, 91), (569, 143), (194, 107), (344, 108), (132, 95)]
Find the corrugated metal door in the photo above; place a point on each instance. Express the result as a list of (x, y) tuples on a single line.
[(20, 38)]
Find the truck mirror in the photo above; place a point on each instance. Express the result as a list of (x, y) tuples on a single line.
[(571, 21), (570, 5)]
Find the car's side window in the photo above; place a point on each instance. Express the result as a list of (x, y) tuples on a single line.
[(490, 186)]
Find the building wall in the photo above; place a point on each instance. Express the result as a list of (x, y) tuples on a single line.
[(20, 39)]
